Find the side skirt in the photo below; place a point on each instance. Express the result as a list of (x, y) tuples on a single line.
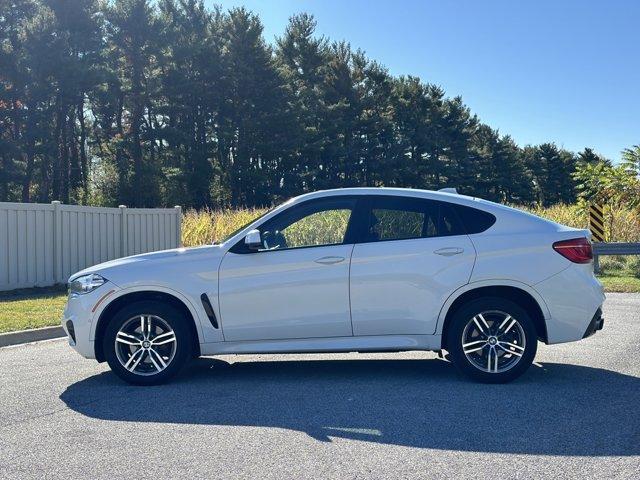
[(373, 343)]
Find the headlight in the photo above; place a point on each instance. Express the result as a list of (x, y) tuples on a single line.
[(85, 284)]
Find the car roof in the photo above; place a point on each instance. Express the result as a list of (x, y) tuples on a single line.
[(392, 191)]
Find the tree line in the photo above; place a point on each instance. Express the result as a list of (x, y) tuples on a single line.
[(170, 102)]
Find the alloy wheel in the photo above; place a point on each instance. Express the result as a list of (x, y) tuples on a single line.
[(145, 345), (493, 341)]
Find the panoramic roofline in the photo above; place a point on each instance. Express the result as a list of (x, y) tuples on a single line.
[(383, 191)]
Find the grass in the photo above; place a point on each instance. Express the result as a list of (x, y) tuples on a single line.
[(621, 224), (31, 308), (620, 273), (620, 283), (206, 226)]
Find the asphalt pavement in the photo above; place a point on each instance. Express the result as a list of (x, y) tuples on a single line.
[(575, 413)]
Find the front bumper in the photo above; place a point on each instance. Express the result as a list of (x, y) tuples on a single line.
[(597, 322), (79, 315)]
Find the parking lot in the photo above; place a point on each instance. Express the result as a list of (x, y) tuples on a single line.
[(575, 413)]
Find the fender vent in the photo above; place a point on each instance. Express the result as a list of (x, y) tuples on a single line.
[(209, 310)]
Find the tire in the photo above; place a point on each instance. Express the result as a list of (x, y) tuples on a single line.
[(499, 336), (151, 357)]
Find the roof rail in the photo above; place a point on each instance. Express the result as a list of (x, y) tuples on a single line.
[(448, 190)]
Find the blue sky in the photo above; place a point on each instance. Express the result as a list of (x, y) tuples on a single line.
[(562, 71)]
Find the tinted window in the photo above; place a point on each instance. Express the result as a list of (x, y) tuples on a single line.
[(474, 220), (313, 224), (403, 218)]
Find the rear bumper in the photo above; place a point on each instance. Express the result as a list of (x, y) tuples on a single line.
[(572, 296), (597, 322)]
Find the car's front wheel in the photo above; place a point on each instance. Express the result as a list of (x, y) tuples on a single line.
[(147, 343), (492, 340)]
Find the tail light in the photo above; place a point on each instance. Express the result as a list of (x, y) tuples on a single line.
[(578, 250)]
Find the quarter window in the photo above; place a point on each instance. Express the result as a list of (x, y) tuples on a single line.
[(474, 220)]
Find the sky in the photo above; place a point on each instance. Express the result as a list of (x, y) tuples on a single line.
[(564, 71)]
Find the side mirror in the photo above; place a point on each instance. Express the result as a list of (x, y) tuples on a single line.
[(253, 240)]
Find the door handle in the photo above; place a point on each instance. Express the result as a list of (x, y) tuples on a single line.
[(329, 260), (449, 251)]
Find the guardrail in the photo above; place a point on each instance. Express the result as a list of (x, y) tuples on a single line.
[(603, 248)]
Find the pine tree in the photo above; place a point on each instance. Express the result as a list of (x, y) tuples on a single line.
[(302, 62), (16, 156), (252, 132), (133, 33), (191, 75), (589, 156)]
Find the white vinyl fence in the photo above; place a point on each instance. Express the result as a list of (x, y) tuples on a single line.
[(43, 244)]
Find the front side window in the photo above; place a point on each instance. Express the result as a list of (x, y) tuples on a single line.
[(406, 218), (309, 225)]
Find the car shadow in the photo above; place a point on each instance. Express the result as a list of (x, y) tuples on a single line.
[(554, 409)]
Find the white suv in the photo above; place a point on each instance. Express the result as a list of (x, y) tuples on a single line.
[(359, 269)]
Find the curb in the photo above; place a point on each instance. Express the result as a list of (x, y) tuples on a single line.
[(28, 336)]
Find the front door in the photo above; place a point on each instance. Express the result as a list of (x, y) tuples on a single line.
[(414, 254), (298, 285)]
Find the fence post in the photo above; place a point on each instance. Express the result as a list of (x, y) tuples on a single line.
[(56, 242), (179, 224), (123, 229)]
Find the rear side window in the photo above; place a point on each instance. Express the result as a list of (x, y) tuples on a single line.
[(402, 218), (474, 220)]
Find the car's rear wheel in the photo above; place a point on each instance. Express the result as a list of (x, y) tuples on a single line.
[(147, 343), (492, 340)]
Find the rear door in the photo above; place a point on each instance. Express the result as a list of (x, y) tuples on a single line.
[(413, 254)]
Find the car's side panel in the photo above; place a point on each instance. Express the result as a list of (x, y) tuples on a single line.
[(279, 294), (397, 287), (526, 257), (184, 273)]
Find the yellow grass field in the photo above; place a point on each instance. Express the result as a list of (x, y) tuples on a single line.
[(618, 273), (207, 226)]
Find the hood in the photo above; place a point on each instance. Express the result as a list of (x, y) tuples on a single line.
[(144, 260)]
